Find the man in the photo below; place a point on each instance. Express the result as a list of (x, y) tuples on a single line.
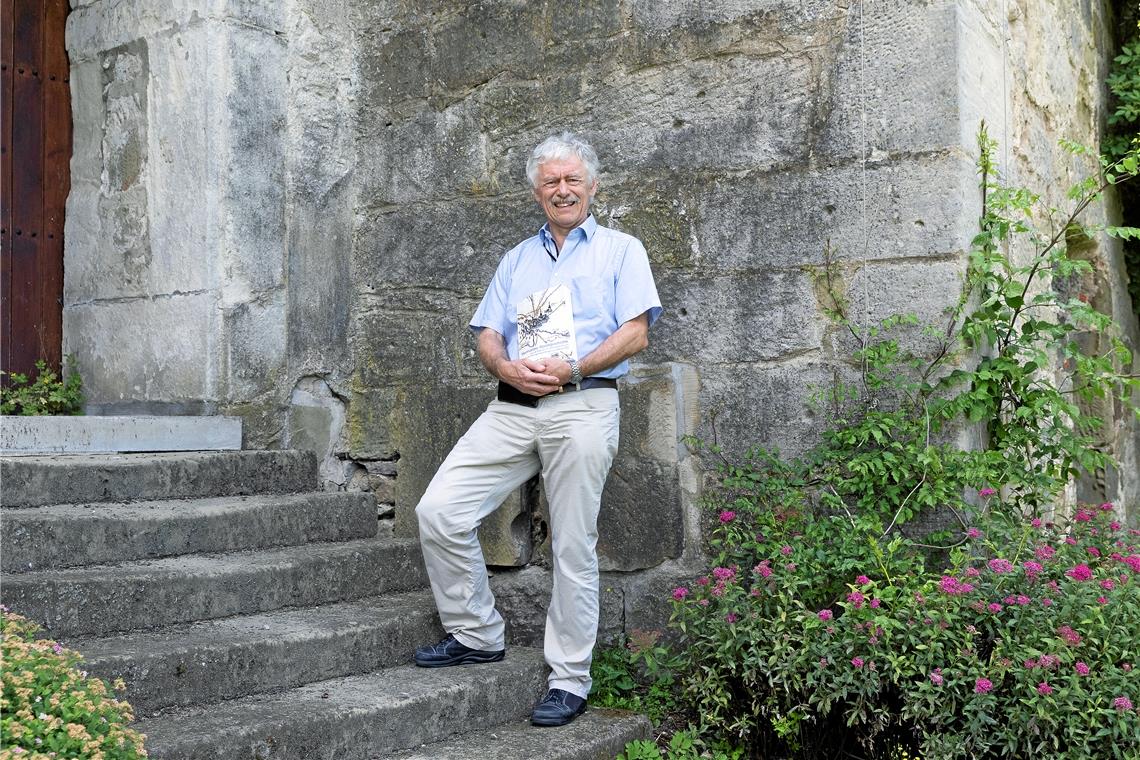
[(563, 314)]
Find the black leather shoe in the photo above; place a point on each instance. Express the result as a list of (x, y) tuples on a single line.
[(450, 652), (557, 708)]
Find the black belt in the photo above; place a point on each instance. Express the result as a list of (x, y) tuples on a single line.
[(513, 395)]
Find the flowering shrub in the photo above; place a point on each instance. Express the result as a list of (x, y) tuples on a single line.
[(811, 636), (51, 709)]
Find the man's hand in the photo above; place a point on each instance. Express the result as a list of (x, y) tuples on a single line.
[(530, 376)]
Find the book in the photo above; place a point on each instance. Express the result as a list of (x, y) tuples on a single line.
[(546, 325)]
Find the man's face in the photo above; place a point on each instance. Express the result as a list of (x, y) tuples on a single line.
[(564, 192)]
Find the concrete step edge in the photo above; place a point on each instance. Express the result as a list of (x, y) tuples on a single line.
[(216, 660), (75, 535), (354, 718), (595, 735), (31, 481), (152, 594)]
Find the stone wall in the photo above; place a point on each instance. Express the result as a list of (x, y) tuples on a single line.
[(289, 211)]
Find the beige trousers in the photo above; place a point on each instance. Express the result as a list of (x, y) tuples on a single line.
[(571, 439)]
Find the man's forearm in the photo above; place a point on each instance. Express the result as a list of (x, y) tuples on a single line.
[(629, 339)]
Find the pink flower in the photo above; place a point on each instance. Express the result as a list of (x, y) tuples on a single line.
[(994, 607), (1070, 541), (986, 492), (1049, 661), (1030, 664), (1126, 666), (1046, 602), (1093, 551), (755, 592), (790, 567), (1106, 507), (825, 615), (863, 580), (1083, 515), (823, 662), (703, 602), (1044, 688), (1023, 600), (1035, 522), (1081, 668), (730, 618), (1114, 525), (857, 661), (856, 599), (936, 677), (974, 533), (973, 572), (1032, 569), (983, 686), (1122, 703), (919, 598), (875, 604), (727, 516), (951, 585), (1133, 561), (680, 593), (703, 580), (1044, 553), (786, 550), (1071, 637), (1102, 600), (1108, 584), (724, 573), (1079, 573), (762, 569), (1001, 565)]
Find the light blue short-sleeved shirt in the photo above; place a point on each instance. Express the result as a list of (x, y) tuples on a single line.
[(606, 271)]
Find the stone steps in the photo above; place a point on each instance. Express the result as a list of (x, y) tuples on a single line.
[(354, 718), (594, 735), (252, 617), (33, 481), (211, 661), (72, 535), (154, 593)]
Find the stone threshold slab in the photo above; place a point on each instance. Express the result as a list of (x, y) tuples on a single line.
[(115, 434)]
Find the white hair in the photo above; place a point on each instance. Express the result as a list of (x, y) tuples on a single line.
[(559, 148)]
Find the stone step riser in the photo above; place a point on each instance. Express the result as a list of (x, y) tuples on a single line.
[(98, 601), (265, 653), (34, 481), (72, 536), (357, 718)]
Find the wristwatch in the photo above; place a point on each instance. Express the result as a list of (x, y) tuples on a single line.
[(575, 372)]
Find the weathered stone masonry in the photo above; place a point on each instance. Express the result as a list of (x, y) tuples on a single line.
[(289, 210)]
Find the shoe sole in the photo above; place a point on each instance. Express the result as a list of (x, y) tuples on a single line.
[(471, 658)]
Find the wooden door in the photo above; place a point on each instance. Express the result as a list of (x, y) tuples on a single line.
[(35, 123)]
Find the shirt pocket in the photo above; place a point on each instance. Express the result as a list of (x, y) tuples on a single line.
[(593, 296)]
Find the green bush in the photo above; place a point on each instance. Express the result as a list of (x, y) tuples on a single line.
[(49, 708), (825, 630), (811, 638), (48, 394)]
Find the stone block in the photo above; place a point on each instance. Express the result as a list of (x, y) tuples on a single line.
[(253, 98), (162, 349), (915, 207), (93, 434), (745, 317), (522, 596), (425, 422), (734, 112), (400, 343), (649, 595), (368, 423), (254, 335), (452, 246), (897, 66), (505, 535), (782, 405)]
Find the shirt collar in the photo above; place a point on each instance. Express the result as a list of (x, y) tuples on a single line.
[(588, 227)]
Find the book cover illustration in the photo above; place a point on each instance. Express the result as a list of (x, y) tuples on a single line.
[(546, 325)]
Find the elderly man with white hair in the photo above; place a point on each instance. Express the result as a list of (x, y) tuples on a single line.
[(563, 314)]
